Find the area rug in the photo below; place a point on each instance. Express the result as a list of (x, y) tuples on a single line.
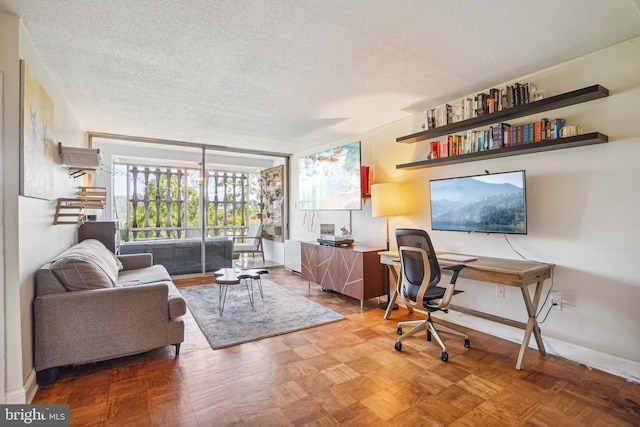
[(279, 312)]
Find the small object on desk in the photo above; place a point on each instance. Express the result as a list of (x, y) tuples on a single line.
[(456, 257)]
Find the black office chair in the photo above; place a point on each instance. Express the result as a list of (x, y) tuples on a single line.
[(420, 276)]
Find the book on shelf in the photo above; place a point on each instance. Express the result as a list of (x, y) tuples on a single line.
[(498, 134), (481, 102), (556, 125), (492, 101), (467, 105), (546, 129), (457, 112), (444, 149)]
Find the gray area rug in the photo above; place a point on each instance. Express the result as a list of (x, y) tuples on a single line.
[(280, 312)]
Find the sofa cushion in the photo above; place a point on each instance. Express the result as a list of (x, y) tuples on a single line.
[(87, 265), (176, 304), (152, 275), (156, 273)]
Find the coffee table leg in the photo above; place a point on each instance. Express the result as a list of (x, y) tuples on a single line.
[(249, 290), (260, 287), (222, 297)]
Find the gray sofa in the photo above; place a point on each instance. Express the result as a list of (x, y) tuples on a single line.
[(91, 305)]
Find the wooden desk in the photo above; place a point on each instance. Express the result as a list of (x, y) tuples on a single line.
[(506, 272)]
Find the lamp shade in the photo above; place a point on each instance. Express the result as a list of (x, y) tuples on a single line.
[(386, 199)]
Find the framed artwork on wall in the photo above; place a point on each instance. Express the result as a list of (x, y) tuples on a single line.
[(271, 184), (36, 137)]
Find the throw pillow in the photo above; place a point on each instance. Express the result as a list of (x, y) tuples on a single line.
[(87, 265)]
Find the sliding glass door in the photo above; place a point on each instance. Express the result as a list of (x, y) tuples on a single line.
[(185, 203)]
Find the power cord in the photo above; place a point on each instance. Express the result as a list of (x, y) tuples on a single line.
[(546, 314), (546, 297)]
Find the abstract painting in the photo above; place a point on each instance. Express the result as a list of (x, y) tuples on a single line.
[(36, 154)]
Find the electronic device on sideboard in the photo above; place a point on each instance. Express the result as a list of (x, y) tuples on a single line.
[(488, 203), (328, 237)]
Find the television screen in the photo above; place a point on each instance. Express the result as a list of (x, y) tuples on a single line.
[(330, 180), (490, 203)]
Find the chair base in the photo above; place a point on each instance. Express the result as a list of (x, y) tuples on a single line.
[(432, 329)]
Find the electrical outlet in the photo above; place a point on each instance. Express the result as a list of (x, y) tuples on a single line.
[(555, 300), (500, 291)]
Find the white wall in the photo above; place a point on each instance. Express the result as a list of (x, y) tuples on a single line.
[(30, 238), (582, 210)]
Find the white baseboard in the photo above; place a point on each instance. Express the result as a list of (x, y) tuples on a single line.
[(592, 359), (25, 394), (31, 386), (16, 397)]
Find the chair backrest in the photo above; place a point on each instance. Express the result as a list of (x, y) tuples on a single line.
[(255, 230), (413, 266), (250, 242)]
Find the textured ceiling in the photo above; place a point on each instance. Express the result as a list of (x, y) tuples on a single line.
[(289, 75)]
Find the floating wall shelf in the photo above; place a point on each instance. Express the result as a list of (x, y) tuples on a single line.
[(514, 150), (563, 100)]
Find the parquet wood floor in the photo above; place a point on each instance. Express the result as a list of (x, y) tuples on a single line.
[(344, 373)]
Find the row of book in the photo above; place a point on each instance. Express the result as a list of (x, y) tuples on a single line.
[(499, 136), (497, 99)]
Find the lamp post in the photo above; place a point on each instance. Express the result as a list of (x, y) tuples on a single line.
[(386, 200)]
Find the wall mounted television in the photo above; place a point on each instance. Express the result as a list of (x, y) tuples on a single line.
[(330, 179), (489, 203)]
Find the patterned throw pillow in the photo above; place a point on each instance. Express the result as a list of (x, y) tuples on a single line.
[(87, 265)]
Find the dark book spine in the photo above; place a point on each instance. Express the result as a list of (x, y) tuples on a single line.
[(517, 93), (480, 103), (543, 129)]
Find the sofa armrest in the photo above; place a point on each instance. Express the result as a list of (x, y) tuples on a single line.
[(135, 261), (86, 326)]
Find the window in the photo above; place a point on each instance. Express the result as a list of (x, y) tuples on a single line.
[(164, 202)]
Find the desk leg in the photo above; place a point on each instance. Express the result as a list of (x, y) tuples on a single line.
[(394, 294), (532, 323)]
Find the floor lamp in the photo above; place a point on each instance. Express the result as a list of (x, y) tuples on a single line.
[(386, 201)]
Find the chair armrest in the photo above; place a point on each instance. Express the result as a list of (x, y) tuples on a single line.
[(451, 287), (136, 261), (456, 271)]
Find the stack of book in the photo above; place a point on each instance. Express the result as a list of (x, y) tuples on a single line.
[(497, 99), (498, 136)]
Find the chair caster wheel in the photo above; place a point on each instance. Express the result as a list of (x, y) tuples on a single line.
[(444, 356), (398, 346), (399, 330), (467, 343)]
